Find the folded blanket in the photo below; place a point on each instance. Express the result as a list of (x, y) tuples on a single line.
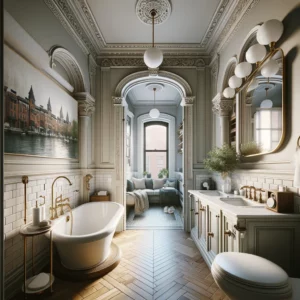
[(141, 201)]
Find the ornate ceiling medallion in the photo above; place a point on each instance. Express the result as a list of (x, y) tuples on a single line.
[(144, 7)]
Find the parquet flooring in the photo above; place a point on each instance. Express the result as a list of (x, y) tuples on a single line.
[(156, 264)]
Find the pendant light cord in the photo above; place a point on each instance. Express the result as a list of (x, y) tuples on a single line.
[(153, 14), (154, 90)]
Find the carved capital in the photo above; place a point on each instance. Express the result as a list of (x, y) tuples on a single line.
[(222, 107), (118, 101), (187, 101), (86, 104)]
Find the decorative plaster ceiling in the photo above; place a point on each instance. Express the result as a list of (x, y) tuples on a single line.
[(143, 95), (112, 28)]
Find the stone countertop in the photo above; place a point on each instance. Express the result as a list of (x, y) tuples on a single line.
[(257, 211)]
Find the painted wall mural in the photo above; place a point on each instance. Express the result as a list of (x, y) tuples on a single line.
[(40, 118)]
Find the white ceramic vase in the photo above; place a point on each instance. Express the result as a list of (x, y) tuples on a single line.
[(226, 183)]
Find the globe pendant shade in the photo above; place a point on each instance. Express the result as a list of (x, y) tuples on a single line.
[(253, 85), (267, 103), (154, 113), (270, 68), (229, 92), (153, 57), (256, 53), (269, 32), (235, 82), (243, 69)]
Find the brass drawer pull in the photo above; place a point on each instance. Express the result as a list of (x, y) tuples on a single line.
[(227, 232), (192, 209), (196, 213), (202, 209), (211, 234), (217, 216)]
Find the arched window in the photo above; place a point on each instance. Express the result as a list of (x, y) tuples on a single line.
[(156, 152)]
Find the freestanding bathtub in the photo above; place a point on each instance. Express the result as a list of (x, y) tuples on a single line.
[(94, 225)]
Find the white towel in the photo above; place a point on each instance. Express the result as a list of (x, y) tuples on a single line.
[(297, 169)]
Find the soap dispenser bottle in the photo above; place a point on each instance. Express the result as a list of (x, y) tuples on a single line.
[(36, 215)]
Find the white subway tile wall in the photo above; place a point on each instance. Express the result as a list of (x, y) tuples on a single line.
[(14, 218)]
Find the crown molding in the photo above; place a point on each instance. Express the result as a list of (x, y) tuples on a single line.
[(139, 62), (78, 20)]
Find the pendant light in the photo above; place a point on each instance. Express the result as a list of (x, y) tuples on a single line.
[(267, 103), (154, 112), (153, 56)]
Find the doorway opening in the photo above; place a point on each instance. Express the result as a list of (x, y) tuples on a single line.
[(154, 160)]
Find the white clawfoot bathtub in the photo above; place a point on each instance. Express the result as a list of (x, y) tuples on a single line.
[(94, 225)]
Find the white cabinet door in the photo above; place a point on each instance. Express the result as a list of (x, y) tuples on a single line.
[(213, 233), (230, 237)]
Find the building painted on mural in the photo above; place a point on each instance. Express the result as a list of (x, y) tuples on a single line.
[(24, 116)]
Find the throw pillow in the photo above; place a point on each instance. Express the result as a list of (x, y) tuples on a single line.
[(149, 184), (158, 183), (139, 184), (130, 186), (170, 184)]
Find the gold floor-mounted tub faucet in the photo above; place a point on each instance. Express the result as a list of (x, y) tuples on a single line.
[(59, 199)]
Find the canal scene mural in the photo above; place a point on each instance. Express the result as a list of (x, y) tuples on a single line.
[(40, 118)]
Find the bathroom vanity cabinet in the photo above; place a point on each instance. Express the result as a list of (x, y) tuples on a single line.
[(218, 227)]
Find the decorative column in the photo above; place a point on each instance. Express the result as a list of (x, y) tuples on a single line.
[(187, 103), (120, 177), (223, 107), (86, 107)]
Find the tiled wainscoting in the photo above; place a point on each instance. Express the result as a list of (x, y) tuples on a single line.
[(14, 217)]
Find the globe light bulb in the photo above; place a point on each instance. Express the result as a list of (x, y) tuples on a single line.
[(229, 92), (154, 113), (153, 57), (256, 53), (235, 82), (270, 68), (269, 32), (243, 69)]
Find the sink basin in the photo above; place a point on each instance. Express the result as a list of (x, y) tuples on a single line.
[(211, 193), (237, 201)]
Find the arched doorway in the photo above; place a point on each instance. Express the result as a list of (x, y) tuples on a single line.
[(187, 99)]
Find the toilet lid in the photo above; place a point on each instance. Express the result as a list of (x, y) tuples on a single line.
[(252, 269)]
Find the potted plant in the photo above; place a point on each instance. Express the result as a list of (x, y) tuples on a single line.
[(163, 173), (145, 174), (222, 160)]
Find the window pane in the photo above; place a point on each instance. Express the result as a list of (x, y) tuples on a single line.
[(156, 137), (155, 161)]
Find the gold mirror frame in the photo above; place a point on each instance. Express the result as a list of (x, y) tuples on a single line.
[(245, 85)]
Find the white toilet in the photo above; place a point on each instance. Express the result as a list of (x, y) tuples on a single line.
[(245, 276)]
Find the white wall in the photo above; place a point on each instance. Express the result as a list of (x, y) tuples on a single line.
[(282, 160)]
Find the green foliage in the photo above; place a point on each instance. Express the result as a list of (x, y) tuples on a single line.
[(74, 129), (145, 173), (163, 172), (222, 160), (251, 148)]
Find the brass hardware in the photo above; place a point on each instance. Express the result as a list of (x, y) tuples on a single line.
[(88, 177), (252, 188), (217, 216), (260, 194), (25, 181), (44, 197), (196, 213), (53, 209), (298, 142), (202, 209), (245, 187), (210, 234), (227, 232), (67, 218)]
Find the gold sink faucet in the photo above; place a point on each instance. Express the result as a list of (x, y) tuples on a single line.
[(53, 208), (246, 188), (252, 188)]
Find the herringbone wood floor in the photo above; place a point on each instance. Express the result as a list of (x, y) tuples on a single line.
[(156, 264)]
